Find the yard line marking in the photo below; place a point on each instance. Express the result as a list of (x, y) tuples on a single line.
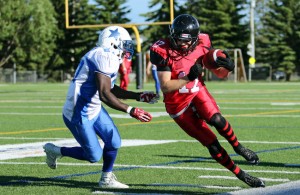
[(33, 131), (260, 108), (15, 151), (285, 103), (147, 167), (195, 141), (267, 142), (159, 114), (235, 178), (266, 113)]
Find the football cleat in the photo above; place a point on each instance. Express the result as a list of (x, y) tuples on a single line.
[(52, 154), (109, 180), (250, 180), (248, 154)]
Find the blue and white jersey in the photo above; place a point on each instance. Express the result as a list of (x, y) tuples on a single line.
[(83, 97)]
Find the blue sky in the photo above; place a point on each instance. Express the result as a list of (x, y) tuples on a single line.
[(137, 7)]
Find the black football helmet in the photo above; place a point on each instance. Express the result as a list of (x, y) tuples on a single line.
[(185, 28)]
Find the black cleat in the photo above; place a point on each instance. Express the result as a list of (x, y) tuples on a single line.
[(249, 155), (250, 180)]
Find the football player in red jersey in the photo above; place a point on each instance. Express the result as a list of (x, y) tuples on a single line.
[(186, 97), (125, 70)]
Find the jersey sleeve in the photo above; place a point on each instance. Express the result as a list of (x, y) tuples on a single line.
[(158, 55), (105, 63)]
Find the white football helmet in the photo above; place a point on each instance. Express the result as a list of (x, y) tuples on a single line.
[(117, 40)]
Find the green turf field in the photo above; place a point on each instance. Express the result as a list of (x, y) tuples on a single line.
[(156, 157)]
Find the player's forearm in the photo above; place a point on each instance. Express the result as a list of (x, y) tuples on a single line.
[(113, 102), (124, 94), (173, 85)]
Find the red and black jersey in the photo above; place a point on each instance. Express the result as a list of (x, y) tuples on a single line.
[(168, 59)]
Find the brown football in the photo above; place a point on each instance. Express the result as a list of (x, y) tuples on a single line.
[(209, 59)]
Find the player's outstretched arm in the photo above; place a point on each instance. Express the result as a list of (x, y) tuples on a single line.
[(146, 96), (107, 96)]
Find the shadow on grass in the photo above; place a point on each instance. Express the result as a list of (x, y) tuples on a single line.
[(18, 181), (193, 159), (35, 181)]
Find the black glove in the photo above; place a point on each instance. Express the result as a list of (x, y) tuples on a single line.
[(195, 70), (225, 62)]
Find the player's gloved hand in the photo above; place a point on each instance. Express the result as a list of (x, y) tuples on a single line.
[(195, 71), (147, 96), (225, 62), (140, 114)]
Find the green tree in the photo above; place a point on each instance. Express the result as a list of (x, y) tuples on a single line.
[(72, 44), (111, 11), (215, 19), (277, 36), (294, 38), (27, 33)]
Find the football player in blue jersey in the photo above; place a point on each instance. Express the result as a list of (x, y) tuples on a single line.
[(93, 83)]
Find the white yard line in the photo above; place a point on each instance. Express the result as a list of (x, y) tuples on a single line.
[(15, 151), (223, 141)]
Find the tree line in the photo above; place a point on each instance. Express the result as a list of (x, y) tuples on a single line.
[(33, 34)]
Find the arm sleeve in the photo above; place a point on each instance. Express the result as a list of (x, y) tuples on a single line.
[(159, 61)]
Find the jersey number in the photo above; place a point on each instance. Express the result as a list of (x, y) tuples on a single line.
[(194, 89)]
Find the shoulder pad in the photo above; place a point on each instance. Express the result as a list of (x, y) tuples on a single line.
[(205, 40), (158, 52)]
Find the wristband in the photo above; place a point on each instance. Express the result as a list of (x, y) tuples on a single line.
[(129, 109)]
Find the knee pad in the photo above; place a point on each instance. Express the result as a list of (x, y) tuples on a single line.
[(214, 148), (218, 121)]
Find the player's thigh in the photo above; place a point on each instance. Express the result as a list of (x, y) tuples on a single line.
[(195, 127), (107, 130), (205, 104), (85, 134)]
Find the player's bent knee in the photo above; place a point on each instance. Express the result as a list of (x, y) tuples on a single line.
[(95, 157), (214, 148), (218, 121)]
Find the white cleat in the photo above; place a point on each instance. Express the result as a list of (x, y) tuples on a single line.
[(52, 154), (109, 180)]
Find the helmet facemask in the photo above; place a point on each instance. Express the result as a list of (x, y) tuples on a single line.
[(184, 38)]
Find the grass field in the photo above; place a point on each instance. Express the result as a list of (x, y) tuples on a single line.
[(157, 157)]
